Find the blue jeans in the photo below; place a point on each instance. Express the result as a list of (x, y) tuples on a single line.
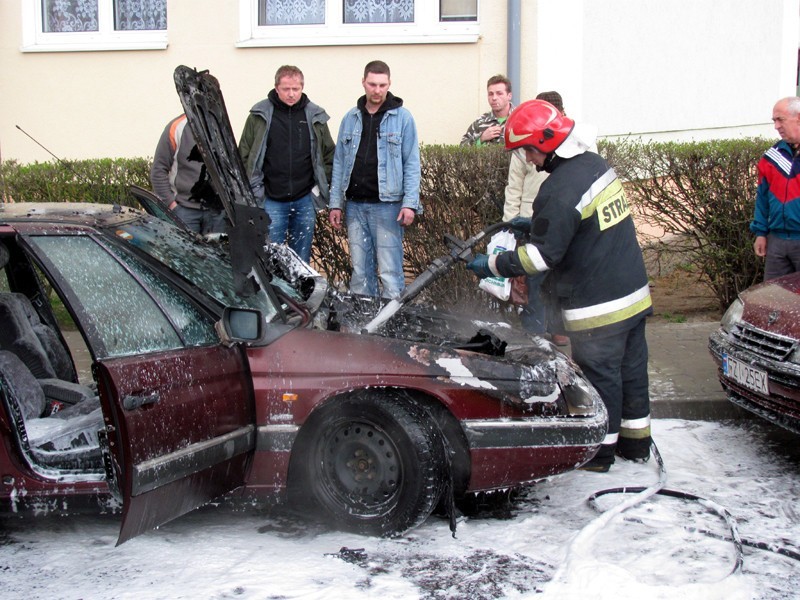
[(376, 245), (292, 224), (534, 314), (202, 220)]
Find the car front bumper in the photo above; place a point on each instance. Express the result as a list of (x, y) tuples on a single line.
[(514, 452), (782, 405)]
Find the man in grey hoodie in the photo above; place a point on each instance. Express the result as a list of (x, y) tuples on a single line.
[(178, 176)]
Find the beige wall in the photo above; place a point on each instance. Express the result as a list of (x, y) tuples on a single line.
[(675, 69), (115, 104)]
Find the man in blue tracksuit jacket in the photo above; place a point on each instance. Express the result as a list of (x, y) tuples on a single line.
[(776, 222)]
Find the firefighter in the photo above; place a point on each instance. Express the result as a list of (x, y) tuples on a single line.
[(581, 230)]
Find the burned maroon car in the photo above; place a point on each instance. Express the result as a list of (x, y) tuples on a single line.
[(233, 368), (757, 350), (195, 391)]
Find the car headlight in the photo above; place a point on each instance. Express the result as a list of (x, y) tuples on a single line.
[(581, 397), (733, 316), (794, 357)]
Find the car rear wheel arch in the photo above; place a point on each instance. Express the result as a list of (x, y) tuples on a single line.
[(373, 461)]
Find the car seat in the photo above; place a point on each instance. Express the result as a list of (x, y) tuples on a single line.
[(38, 346), (65, 439), (39, 381)]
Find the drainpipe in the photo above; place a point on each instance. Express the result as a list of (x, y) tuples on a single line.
[(513, 49)]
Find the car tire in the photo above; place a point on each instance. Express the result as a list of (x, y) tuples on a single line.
[(372, 463)]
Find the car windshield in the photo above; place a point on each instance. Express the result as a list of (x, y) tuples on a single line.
[(205, 265)]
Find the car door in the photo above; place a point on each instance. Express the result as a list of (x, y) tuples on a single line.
[(178, 405), (180, 430)]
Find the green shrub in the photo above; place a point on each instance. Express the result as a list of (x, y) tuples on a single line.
[(105, 180), (696, 200)]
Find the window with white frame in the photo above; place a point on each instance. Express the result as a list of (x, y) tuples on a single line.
[(349, 22), (80, 25)]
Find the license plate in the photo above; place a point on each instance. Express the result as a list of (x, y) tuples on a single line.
[(746, 375)]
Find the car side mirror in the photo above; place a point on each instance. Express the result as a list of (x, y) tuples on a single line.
[(240, 325)]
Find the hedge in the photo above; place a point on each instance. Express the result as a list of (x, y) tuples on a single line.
[(693, 202)]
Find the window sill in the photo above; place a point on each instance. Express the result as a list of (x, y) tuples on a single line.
[(93, 46), (355, 40)]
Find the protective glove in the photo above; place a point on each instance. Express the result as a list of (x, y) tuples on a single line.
[(480, 266), (521, 227)]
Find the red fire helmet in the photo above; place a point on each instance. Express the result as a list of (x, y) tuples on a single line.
[(539, 124)]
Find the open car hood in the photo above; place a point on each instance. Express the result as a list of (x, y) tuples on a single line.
[(205, 110), (202, 101)]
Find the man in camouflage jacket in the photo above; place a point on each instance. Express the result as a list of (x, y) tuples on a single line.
[(489, 127)]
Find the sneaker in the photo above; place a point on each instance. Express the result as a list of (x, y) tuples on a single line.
[(560, 340), (596, 466)]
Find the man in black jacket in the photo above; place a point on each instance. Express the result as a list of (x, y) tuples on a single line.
[(582, 230), (287, 151)]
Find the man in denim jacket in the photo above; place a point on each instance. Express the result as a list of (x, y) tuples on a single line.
[(376, 172)]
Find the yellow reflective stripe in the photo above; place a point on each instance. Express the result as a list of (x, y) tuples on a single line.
[(531, 259), (574, 314), (635, 434), (635, 429), (525, 260), (588, 204), (612, 206), (607, 313)]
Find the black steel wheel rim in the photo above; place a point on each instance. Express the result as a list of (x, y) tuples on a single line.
[(361, 468)]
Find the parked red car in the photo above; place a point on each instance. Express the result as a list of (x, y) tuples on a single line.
[(757, 350)]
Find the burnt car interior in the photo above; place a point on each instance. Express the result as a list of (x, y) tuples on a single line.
[(55, 416)]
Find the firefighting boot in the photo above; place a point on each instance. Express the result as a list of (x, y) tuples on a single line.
[(635, 450), (601, 462)]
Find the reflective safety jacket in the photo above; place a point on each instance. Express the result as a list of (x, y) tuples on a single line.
[(582, 230)]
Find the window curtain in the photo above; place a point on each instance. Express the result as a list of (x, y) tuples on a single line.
[(378, 11), (69, 15), (291, 12), (62, 16), (137, 15)]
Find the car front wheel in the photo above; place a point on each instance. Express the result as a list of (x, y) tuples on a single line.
[(372, 463)]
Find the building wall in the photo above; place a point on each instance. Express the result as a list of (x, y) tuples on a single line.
[(682, 69), (115, 104), (677, 68)]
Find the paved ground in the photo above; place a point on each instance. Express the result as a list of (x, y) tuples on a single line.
[(683, 377)]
